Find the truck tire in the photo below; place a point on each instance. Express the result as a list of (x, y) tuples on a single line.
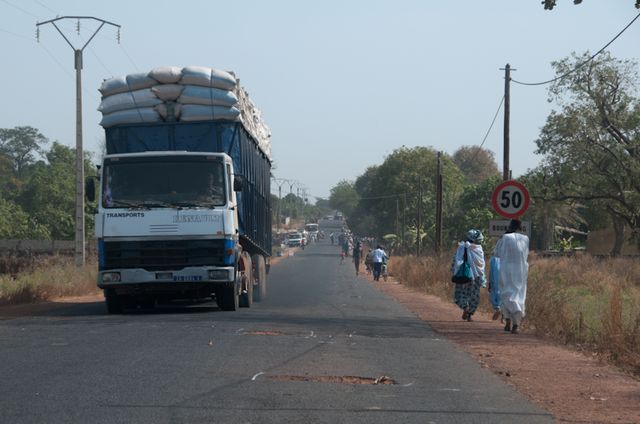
[(113, 301), (227, 298), (260, 278)]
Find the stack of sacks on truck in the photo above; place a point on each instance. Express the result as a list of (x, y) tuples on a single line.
[(170, 94)]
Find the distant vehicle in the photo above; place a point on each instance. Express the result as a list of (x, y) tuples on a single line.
[(312, 230), (294, 239)]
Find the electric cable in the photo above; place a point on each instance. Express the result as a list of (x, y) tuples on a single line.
[(489, 130), (579, 66)]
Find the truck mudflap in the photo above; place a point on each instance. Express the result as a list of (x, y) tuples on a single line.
[(138, 276)]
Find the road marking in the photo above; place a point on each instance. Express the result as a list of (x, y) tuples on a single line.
[(256, 376)]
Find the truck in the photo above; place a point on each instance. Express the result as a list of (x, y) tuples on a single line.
[(183, 208)]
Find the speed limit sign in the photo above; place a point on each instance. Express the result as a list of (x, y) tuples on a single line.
[(510, 199)]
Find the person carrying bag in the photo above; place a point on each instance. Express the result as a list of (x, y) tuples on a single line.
[(467, 272)]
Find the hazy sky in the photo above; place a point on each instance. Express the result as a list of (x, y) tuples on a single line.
[(341, 83)]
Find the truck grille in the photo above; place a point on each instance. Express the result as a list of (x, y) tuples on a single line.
[(156, 255)]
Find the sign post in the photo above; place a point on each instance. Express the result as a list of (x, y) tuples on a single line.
[(510, 199)]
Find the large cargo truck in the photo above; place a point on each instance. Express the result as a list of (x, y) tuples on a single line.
[(183, 211)]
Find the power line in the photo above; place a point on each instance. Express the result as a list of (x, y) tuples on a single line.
[(128, 57), (46, 7), (488, 131), (20, 9), (583, 63)]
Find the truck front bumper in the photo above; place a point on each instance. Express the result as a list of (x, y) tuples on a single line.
[(138, 276)]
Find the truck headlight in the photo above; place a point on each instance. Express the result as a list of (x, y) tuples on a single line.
[(111, 277), (218, 274)]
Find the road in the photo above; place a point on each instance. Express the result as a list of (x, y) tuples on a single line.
[(289, 359)]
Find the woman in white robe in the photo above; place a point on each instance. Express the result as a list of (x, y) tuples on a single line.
[(513, 251)]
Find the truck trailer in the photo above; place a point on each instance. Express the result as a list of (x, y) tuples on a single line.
[(184, 207)]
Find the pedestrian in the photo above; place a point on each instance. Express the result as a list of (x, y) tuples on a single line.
[(513, 251), (467, 295), (331, 237), (357, 254), (368, 262), (377, 257), (494, 286)]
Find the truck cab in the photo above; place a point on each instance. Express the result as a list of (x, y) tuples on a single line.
[(167, 224)]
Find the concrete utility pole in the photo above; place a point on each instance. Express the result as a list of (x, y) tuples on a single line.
[(439, 205), (79, 239), (507, 115), (418, 220)]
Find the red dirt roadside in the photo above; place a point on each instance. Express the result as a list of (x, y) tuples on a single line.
[(575, 388)]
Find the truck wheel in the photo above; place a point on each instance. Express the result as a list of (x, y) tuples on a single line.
[(227, 298), (113, 301), (260, 277)]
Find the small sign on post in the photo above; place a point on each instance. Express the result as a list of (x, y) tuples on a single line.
[(498, 227)]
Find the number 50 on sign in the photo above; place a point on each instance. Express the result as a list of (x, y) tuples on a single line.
[(510, 199)]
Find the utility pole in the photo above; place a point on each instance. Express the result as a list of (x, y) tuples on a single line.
[(439, 205), (79, 237), (404, 222), (418, 221), (507, 115)]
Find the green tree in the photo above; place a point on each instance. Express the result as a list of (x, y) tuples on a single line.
[(475, 163), (48, 195), (344, 197), (591, 146), (17, 224), (22, 145)]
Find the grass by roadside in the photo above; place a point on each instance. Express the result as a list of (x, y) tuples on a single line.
[(592, 304), (38, 279)]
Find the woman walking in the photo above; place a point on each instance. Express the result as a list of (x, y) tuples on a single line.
[(467, 295)]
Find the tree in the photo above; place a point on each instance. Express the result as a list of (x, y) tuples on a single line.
[(17, 224), (592, 145), (344, 197), (21, 145), (477, 164), (550, 4), (48, 195)]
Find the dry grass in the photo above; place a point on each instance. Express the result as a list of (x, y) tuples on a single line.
[(591, 303), (47, 278)]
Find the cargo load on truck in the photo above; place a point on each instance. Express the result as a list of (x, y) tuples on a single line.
[(188, 94)]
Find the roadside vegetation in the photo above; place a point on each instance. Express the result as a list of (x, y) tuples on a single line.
[(590, 303), (40, 278)]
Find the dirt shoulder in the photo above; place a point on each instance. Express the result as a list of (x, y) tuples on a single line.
[(575, 388)]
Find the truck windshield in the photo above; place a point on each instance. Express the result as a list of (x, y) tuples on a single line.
[(189, 181), (311, 227)]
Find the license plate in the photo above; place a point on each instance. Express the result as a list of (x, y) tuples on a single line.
[(187, 278)]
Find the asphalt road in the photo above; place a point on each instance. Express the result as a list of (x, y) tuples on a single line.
[(285, 360)]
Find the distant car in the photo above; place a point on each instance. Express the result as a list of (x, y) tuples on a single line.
[(294, 239)]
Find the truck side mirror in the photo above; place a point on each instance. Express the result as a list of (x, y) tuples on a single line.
[(238, 182), (90, 189)]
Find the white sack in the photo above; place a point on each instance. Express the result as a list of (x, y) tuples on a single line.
[(129, 100), (207, 113), (196, 95), (207, 77), (167, 92), (166, 74), (167, 109), (130, 116), (126, 83)]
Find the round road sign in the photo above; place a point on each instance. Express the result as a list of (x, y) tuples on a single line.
[(510, 199)]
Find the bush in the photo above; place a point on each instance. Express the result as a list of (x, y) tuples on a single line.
[(588, 302)]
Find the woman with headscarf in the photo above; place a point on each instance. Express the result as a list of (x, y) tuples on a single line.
[(467, 295)]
